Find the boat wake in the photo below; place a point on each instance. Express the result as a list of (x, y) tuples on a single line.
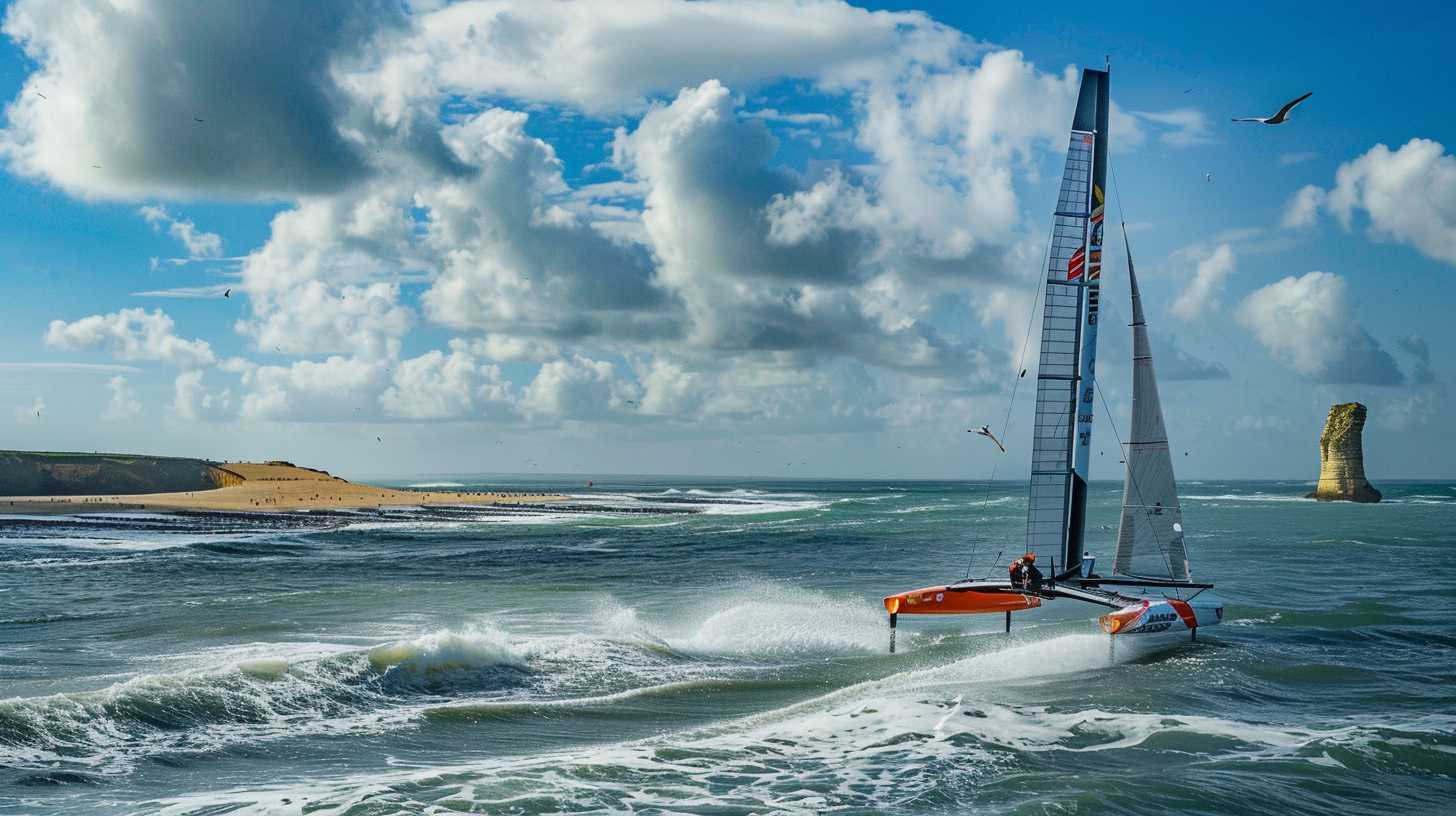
[(928, 734)]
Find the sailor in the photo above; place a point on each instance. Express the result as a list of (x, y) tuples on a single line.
[(1031, 577), (1017, 576)]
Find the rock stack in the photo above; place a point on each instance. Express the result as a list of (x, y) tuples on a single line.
[(1342, 457)]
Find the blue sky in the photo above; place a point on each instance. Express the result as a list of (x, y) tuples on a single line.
[(726, 238)]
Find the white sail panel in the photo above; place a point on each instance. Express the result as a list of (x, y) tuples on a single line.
[(1150, 535)]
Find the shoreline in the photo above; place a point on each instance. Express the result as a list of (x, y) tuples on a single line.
[(266, 488)]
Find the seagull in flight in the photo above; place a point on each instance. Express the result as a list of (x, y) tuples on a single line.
[(1279, 118), (227, 293), (985, 430)]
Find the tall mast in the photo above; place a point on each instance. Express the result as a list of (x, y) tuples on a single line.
[(1062, 434), (1078, 514)]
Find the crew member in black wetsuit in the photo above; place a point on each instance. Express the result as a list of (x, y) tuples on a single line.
[(1030, 576)]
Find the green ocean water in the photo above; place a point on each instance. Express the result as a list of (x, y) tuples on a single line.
[(718, 647)]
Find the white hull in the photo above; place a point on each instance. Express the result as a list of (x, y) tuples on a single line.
[(1156, 614)]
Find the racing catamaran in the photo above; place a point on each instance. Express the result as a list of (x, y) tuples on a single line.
[(1151, 587)]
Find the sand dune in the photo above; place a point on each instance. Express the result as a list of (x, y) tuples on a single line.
[(266, 487)]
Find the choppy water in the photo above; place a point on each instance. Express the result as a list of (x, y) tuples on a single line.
[(698, 647)]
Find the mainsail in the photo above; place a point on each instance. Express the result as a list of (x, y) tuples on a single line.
[(1062, 432), (1150, 536)]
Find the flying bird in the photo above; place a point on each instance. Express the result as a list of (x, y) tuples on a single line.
[(41, 95), (985, 430), (1208, 177), (378, 439), (195, 119), (227, 293), (1187, 90), (1279, 118)]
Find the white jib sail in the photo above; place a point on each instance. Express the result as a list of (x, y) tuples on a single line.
[(1150, 536)]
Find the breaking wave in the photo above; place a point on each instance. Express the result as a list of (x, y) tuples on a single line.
[(942, 732), (261, 692)]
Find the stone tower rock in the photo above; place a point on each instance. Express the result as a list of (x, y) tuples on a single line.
[(1342, 458)]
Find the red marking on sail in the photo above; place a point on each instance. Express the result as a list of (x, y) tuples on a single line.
[(1076, 263), (1094, 269)]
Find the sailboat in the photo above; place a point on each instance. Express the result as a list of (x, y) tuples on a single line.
[(1151, 589)]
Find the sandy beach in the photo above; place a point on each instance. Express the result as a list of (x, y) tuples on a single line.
[(265, 488)]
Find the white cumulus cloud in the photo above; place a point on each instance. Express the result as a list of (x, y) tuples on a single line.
[(1200, 296), (457, 385), (1309, 324), (199, 244), (193, 401), (131, 334), (1303, 208), (123, 403), (1407, 194)]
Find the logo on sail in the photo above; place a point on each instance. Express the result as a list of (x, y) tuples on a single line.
[(1094, 243), (1076, 264)]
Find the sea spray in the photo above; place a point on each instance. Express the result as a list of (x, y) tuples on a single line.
[(444, 650)]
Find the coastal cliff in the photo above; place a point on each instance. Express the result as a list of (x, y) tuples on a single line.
[(1342, 457), (34, 482), (37, 473)]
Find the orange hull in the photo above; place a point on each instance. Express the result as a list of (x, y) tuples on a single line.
[(942, 601)]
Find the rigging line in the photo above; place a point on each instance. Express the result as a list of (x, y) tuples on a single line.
[(1038, 290), (1030, 321)]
